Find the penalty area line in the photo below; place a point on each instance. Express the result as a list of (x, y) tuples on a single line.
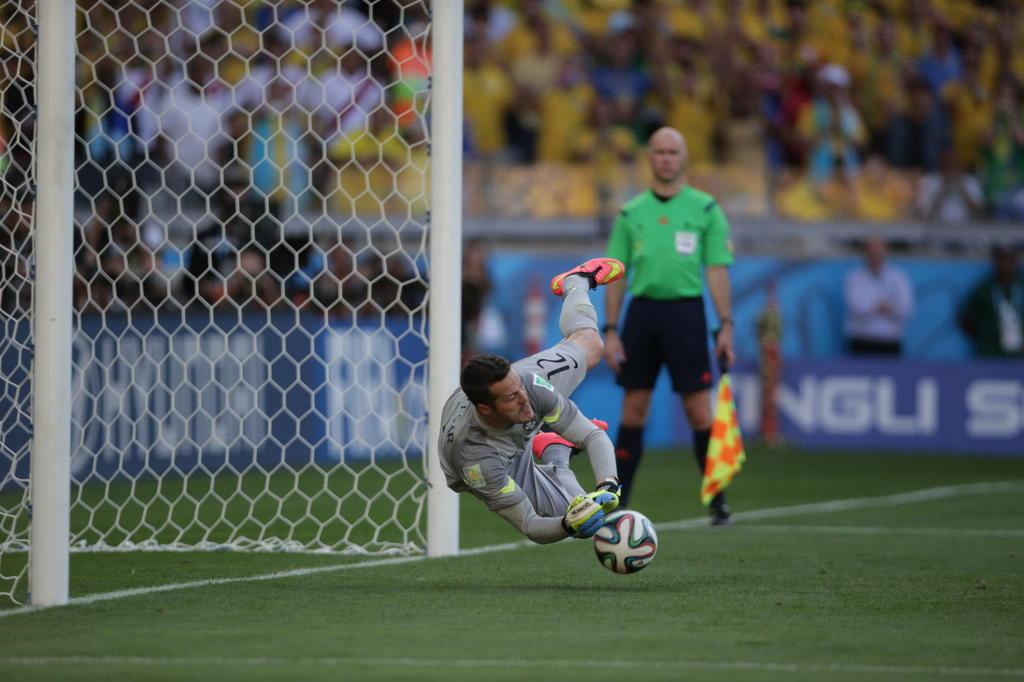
[(911, 497), (898, 499), (882, 530), (136, 591), (973, 672), (292, 573)]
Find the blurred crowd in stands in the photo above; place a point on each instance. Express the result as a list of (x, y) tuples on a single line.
[(877, 110), (231, 117), (240, 115)]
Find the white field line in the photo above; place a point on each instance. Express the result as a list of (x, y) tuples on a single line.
[(296, 572), (771, 512), (876, 530), (924, 495), (505, 664), (292, 573)]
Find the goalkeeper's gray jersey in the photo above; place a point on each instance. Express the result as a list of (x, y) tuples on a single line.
[(497, 465)]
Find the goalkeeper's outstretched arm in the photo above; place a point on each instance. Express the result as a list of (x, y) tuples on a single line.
[(582, 519), (540, 529)]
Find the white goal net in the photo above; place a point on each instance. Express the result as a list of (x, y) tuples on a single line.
[(250, 342)]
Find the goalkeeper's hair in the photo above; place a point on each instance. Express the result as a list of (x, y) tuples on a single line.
[(479, 373)]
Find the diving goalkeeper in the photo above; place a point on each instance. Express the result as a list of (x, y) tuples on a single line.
[(490, 442)]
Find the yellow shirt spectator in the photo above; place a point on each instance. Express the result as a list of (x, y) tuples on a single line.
[(487, 94), (522, 40), (535, 73), (242, 44), (368, 149), (763, 24), (607, 148), (592, 15), (800, 200), (564, 112), (698, 20), (913, 40), (828, 30), (696, 122), (883, 93), (990, 65), (377, 168), (881, 194), (956, 13), (970, 112)]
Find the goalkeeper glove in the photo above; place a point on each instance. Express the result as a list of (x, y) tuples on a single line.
[(586, 513), (614, 490)]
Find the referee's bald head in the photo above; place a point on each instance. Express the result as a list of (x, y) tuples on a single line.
[(666, 134), (666, 152)]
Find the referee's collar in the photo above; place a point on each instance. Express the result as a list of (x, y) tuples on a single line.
[(665, 199)]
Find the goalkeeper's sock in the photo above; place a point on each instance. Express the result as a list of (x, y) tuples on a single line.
[(577, 310), (701, 442), (629, 448)]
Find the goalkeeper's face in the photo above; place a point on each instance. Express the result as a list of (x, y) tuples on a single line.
[(511, 404)]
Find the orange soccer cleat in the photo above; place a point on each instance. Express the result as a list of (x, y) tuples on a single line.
[(598, 270)]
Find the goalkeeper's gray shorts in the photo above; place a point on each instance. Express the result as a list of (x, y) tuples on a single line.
[(551, 486)]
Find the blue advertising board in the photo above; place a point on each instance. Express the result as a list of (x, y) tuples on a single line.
[(962, 408), (170, 394), (969, 407)]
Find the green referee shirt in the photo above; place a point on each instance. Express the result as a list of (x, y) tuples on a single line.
[(666, 242)]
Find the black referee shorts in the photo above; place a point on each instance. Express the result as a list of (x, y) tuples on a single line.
[(674, 333)]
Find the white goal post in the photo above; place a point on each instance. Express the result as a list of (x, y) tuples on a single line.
[(52, 310), (233, 254), (445, 247)]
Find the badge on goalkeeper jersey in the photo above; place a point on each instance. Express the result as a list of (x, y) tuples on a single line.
[(473, 476)]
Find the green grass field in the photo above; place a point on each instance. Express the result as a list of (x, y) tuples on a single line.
[(903, 588)]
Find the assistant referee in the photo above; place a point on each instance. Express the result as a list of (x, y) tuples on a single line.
[(666, 236)]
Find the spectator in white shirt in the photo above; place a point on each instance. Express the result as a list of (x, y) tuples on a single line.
[(340, 97), (951, 196), (879, 301), (269, 62), (323, 25), (189, 112)]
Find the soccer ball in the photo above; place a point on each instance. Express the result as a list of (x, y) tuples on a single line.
[(626, 542)]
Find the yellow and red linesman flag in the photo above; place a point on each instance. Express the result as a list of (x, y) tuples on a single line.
[(725, 452)]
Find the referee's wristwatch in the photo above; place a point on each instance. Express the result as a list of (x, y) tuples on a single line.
[(609, 328)]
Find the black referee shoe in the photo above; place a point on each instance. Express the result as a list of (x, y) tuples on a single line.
[(720, 515)]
